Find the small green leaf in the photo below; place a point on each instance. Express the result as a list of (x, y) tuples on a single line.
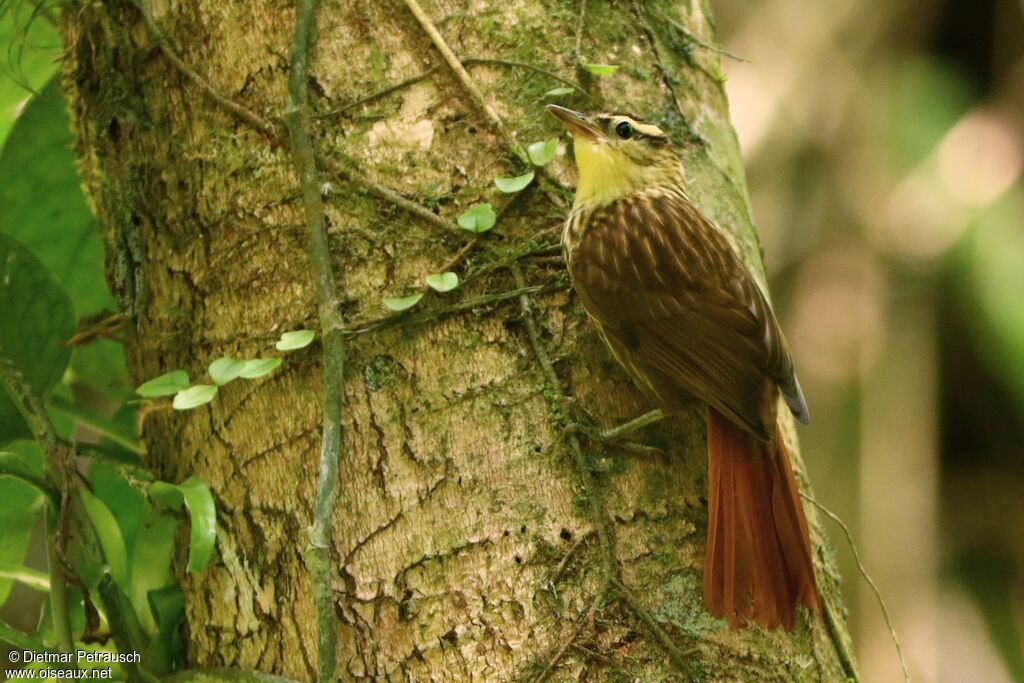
[(202, 514), (601, 69), (558, 92), (109, 535), (443, 282), (478, 218), (166, 384), (195, 396), (295, 340), (512, 185), (403, 303), (259, 367), (225, 369), (541, 153)]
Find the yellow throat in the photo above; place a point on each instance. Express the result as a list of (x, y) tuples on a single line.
[(605, 173)]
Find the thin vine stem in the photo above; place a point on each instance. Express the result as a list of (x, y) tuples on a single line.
[(321, 568), (867, 577), (468, 62)]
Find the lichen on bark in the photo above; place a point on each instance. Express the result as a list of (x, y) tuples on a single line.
[(462, 533)]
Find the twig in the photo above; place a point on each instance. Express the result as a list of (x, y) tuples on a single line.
[(475, 61), (459, 255), (587, 618), (387, 194), (58, 465), (564, 562), (867, 577), (468, 62), (400, 85), (453, 261), (697, 41), (105, 327), (466, 305), (247, 115), (546, 183), (677, 656), (322, 574), (465, 79)]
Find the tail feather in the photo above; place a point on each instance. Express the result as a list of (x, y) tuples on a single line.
[(758, 564)]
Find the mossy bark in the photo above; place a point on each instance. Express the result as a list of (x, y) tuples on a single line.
[(462, 533)]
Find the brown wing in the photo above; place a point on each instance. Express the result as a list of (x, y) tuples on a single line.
[(671, 292)]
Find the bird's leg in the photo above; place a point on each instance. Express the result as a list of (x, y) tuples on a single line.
[(616, 434), (637, 423)]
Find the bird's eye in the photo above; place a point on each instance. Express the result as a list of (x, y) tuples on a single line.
[(624, 130)]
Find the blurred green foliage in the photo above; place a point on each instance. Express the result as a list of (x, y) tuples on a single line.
[(30, 47)]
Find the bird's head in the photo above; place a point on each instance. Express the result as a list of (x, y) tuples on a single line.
[(618, 155)]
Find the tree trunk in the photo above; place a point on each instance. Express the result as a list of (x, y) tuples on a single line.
[(466, 533)]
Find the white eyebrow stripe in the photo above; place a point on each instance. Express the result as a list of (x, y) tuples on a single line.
[(648, 129)]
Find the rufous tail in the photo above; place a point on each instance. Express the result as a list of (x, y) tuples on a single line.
[(758, 564)]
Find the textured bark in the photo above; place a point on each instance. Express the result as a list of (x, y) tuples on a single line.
[(462, 533)]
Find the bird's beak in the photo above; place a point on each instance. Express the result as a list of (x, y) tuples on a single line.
[(575, 122)]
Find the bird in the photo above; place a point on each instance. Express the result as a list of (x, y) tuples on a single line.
[(682, 313)]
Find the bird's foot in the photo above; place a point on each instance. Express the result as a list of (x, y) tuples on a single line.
[(616, 435)]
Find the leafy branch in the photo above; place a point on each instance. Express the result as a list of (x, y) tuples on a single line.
[(221, 371)]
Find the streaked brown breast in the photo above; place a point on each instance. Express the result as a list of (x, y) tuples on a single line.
[(678, 306)]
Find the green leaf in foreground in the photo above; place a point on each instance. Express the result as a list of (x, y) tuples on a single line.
[(166, 384), (478, 218), (443, 282), (515, 184), (225, 369), (559, 92), (202, 513), (259, 367), (36, 317), (295, 340), (41, 201), (601, 69), (541, 153), (402, 303), (193, 397)]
